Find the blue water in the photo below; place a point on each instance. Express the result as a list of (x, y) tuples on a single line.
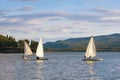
[(60, 66)]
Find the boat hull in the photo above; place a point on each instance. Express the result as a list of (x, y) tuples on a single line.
[(93, 59), (42, 59)]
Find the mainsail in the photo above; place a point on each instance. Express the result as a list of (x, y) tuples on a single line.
[(91, 49), (27, 50), (40, 52)]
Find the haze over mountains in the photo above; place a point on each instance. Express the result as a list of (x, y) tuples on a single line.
[(103, 43)]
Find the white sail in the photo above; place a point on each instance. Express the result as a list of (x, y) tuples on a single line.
[(27, 50), (91, 49), (40, 52)]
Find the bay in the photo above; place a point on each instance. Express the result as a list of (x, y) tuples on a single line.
[(60, 66)]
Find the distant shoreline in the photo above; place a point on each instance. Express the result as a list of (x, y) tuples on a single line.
[(105, 43), (20, 51)]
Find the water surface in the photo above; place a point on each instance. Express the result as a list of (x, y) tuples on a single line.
[(60, 66)]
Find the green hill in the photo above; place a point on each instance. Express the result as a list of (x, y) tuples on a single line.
[(103, 43), (8, 44)]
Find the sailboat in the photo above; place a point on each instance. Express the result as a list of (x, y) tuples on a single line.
[(40, 52), (90, 54), (27, 51)]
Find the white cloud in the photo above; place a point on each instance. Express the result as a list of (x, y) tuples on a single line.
[(3, 19), (105, 11), (33, 21), (25, 8), (113, 18), (13, 20), (14, 11), (55, 26)]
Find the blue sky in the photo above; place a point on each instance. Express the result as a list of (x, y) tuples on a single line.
[(58, 19)]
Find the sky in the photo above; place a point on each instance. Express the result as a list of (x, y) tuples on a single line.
[(58, 19)]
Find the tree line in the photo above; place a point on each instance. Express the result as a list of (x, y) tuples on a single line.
[(9, 44)]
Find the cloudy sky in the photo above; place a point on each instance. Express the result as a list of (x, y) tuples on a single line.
[(58, 19)]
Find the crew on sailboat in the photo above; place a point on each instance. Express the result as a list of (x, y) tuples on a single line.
[(37, 58), (90, 57), (24, 57)]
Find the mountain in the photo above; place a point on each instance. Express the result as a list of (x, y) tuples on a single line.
[(103, 43)]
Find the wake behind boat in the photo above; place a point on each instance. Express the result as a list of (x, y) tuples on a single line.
[(40, 52), (90, 54)]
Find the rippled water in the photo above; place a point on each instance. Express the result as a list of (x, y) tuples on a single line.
[(60, 66)]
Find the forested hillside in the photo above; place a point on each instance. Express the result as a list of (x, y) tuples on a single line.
[(8, 44), (103, 43)]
